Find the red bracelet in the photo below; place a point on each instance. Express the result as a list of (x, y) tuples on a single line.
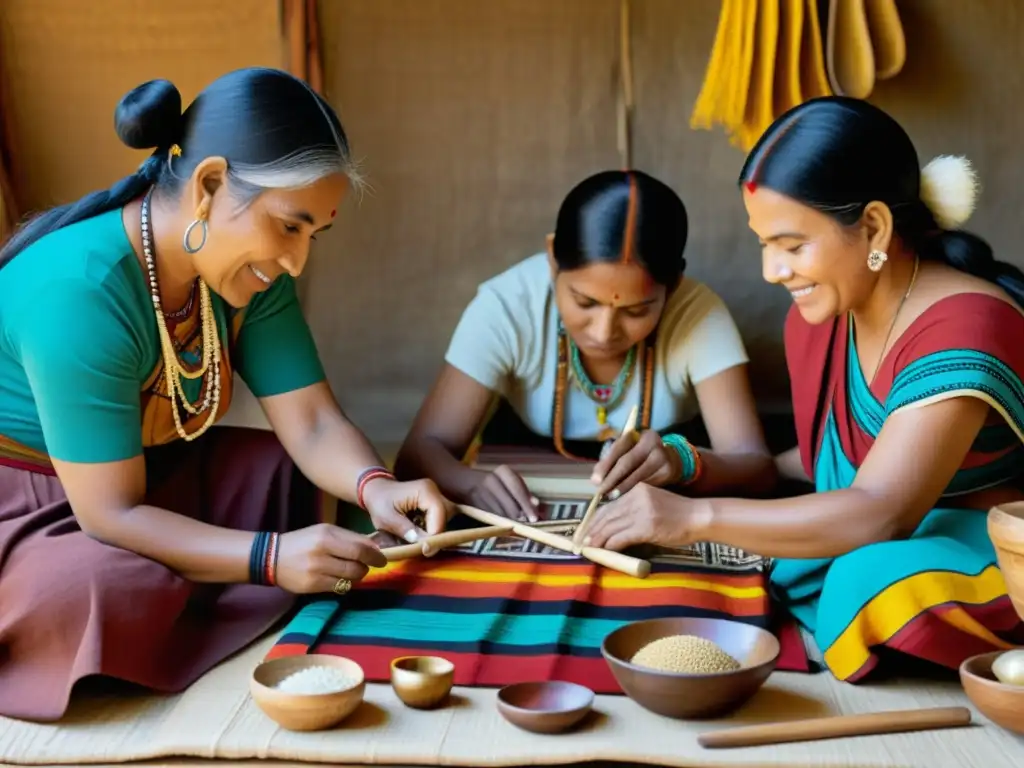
[(270, 563), (372, 473)]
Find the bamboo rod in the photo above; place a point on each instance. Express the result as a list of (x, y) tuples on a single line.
[(837, 727), (444, 540), (629, 428)]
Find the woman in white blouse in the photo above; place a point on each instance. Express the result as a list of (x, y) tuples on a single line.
[(572, 339)]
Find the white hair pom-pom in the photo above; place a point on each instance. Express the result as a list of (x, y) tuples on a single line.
[(949, 187)]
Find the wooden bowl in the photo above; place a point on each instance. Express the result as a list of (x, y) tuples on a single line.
[(1006, 530), (692, 696), (1002, 704), (422, 682), (302, 711), (551, 707)]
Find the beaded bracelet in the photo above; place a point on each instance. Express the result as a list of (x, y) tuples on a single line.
[(263, 559), (689, 457), (371, 473)]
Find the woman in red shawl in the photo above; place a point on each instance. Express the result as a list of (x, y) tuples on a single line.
[(905, 347)]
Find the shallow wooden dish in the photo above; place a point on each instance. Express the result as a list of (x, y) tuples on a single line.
[(685, 696), (1002, 704), (422, 682), (546, 707), (1006, 530), (306, 712)]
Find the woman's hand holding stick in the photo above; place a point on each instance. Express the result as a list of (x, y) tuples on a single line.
[(616, 561)]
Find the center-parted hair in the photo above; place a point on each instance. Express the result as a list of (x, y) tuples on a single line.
[(274, 131), (837, 154), (623, 216)]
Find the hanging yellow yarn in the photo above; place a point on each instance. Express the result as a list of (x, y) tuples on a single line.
[(767, 57), (759, 111)]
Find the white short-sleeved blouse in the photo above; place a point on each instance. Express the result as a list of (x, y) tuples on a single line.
[(507, 340)]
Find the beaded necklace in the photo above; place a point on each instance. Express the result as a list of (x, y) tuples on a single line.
[(174, 371), (185, 311), (605, 395), (644, 362)]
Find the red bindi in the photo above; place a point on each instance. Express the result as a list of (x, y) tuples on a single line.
[(751, 186), (615, 297), (332, 213)]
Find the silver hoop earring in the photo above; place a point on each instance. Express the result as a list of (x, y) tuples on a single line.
[(189, 248), (876, 260)]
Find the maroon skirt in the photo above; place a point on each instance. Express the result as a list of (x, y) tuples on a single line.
[(72, 607)]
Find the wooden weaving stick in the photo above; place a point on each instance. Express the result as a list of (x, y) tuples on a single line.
[(616, 561), (838, 726), (443, 540), (629, 428)]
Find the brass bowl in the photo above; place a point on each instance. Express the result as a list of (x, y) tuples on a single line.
[(422, 682)]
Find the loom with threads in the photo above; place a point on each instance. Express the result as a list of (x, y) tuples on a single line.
[(565, 491)]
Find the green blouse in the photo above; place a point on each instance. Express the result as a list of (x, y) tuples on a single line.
[(80, 359)]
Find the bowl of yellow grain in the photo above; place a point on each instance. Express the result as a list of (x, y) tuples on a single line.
[(308, 692), (690, 668)]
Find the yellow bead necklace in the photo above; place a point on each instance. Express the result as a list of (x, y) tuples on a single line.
[(174, 371)]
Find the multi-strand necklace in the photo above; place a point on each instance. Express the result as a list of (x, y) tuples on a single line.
[(174, 371)]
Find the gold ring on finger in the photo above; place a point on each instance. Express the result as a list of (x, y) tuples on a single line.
[(342, 586)]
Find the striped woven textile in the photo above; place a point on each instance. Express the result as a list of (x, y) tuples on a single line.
[(18, 456), (506, 610)]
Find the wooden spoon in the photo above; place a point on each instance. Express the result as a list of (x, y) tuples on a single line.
[(887, 38), (849, 53)]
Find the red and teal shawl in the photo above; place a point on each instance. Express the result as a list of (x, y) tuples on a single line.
[(938, 595)]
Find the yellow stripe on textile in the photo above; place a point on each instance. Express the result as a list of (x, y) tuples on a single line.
[(899, 604)]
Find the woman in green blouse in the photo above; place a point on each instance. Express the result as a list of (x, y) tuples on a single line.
[(134, 543)]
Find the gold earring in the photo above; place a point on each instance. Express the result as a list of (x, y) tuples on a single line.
[(876, 259)]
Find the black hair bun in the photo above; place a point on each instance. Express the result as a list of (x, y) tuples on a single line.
[(149, 116)]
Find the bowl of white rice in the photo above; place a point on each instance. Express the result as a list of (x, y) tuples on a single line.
[(308, 693)]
